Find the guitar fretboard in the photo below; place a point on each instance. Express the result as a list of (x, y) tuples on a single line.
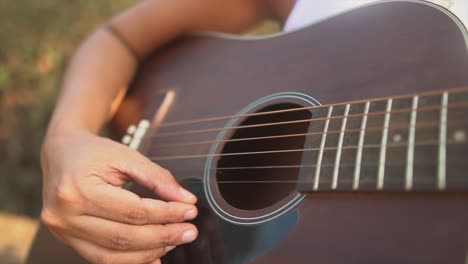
[(408, 143)]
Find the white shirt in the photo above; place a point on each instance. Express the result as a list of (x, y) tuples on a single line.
[(307, 12)]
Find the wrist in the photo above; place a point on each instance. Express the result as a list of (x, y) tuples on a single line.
[(59, 129), (69, 125)]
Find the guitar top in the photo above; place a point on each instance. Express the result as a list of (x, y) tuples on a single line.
[(343, 142)]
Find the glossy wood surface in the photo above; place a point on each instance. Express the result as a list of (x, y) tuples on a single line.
[(382, 50)]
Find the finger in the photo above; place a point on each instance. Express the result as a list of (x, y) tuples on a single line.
[(96, 254), (123, 237), (154, 177), (117, 204)]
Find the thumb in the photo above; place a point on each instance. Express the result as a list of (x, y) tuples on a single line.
[(156, 178)]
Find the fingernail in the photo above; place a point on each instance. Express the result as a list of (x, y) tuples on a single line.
[(189, 215), (167, 249), (187, 194), (188, 236)]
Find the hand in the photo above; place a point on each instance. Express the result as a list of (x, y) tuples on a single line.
[(85, 207), (208, 248)]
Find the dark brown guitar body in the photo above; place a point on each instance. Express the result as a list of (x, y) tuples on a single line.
[(381, 50)]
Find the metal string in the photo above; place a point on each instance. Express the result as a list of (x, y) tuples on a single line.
[(400, 144), (342, 165), (403, 110), (325, 181), (210, 119), (355, 130)]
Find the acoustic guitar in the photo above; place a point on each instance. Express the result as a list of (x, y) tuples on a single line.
[(342, 142)]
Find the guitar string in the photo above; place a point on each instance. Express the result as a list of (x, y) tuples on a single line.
[(403, 110), (362, 181), (329, 165), (406, 96), (401, 144), (341, 179), (456, 179), (356, 130), (427, 180)]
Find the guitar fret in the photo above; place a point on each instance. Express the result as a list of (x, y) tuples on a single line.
[(383, 146), (410, 152), (441, 177), (336, 168), (322, 146), (340, 145), (357, 169)]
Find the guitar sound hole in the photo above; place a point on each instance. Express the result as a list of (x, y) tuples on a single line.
[(257, 181)]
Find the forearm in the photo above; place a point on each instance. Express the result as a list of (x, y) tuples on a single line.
[(98, 73), (104, 65)]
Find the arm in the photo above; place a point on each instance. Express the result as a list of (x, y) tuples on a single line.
[(103, 65), (83, 205)]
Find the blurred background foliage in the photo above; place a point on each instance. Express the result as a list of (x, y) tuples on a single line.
[(36, 40)]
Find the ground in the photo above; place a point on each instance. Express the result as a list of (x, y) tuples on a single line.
[(16, 235)]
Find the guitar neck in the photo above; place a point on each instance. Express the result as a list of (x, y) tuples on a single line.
[(405, 143)]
